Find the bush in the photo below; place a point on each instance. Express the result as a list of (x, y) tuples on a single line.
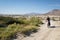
[(9, 32), (23, 21), (24, 26), (5, 19), (53, 19), (35, 21), (27, 30)]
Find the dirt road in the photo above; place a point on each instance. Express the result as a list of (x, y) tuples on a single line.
[(45, 33)]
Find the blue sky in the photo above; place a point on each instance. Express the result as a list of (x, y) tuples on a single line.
[(28, 6)]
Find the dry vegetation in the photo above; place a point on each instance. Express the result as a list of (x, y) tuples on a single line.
[(15, 25)]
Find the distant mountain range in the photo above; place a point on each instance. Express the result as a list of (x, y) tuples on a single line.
[(54, 12), (32, 14)]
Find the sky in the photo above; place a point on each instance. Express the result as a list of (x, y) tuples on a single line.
[(28, 6)]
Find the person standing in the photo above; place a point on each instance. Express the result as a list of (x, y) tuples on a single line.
[(48, 20)]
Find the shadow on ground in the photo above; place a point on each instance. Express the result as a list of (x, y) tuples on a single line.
[(54, 27)]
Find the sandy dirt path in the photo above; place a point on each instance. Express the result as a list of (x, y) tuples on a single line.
[(45, 33)]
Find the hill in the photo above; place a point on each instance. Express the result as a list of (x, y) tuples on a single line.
[(54, 12)]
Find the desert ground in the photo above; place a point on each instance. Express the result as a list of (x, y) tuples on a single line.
[(46, 33)]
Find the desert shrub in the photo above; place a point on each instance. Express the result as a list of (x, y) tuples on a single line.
[(20, 20), (9, 32), (53, 19), (23, 21), (24, 26), (27, 30), (1, 30), (10, 22), (5, 19), (35, 21)]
